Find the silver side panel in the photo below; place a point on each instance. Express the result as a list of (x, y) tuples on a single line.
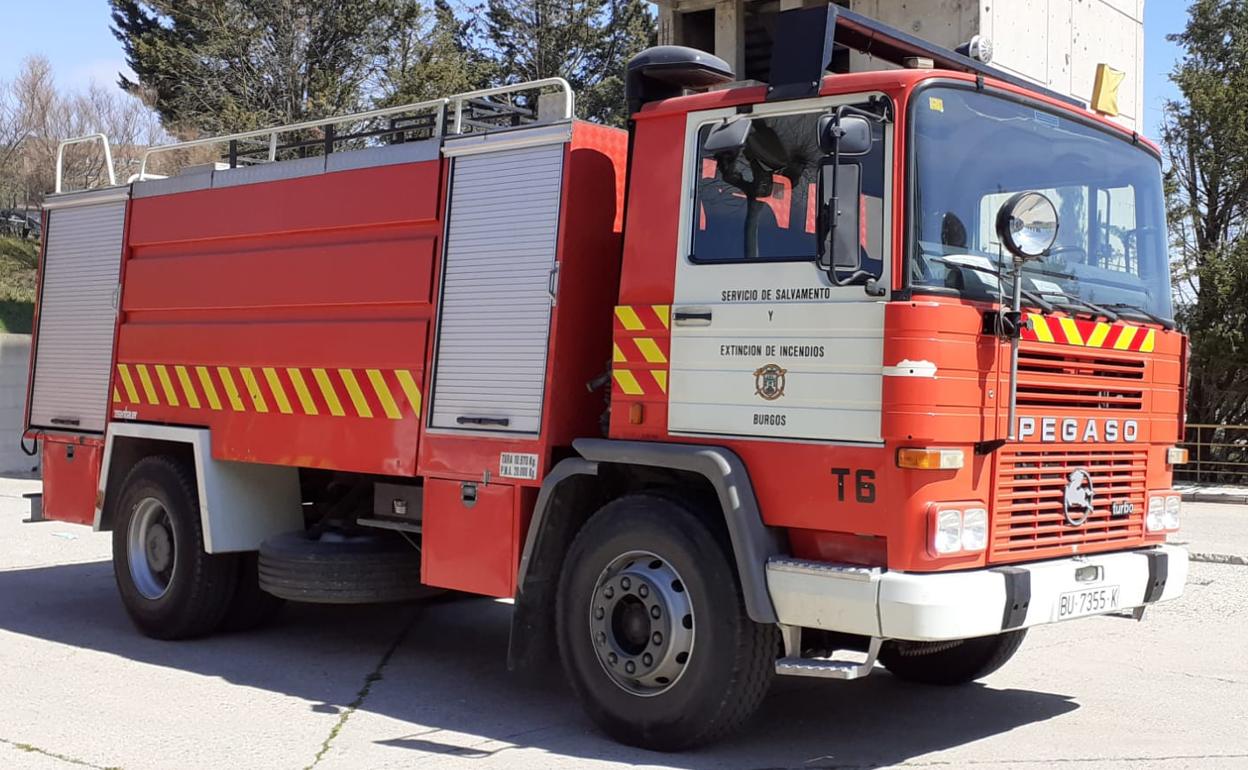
[(77, 317), (495, 317)]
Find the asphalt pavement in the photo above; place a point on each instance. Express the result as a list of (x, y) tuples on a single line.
[(426, 685)]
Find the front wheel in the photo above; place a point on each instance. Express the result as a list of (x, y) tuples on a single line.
[(653, 631), (950, 663)]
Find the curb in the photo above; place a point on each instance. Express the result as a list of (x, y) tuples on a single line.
[(1219, 558), (1208, 497)]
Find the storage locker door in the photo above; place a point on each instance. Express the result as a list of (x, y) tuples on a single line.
[(495, 307), (77, 318)]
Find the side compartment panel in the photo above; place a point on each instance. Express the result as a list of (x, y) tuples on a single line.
[(468, 537), (70, 474), (496, 290), (74, 342)]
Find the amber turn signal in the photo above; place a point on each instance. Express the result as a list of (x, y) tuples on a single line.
[(925, 459)]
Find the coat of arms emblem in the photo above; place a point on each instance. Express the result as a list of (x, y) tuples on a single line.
[(769, 381)]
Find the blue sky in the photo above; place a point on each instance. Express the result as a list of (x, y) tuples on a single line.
[(74, 35)]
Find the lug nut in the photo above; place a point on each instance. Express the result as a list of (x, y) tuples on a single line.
[(647, 659), (599, 613), (625, 583), (610, 592), (655, 612), (602, 637), (612, 659), (630, 667), (643, 591)]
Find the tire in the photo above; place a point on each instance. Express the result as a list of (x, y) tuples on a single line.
[(337, 569), (728, 663), (252, 606), (950, 663), (170, 587)]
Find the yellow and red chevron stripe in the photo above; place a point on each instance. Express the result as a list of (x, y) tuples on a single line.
[(641, 350), (1089, 334), (392, 394)]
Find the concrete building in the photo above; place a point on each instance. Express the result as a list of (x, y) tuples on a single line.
[(1056, 43)]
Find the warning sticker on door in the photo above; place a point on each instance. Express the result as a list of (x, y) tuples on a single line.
[(517, 465)]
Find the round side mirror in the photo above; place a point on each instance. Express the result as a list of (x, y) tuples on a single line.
[(1027, 224)]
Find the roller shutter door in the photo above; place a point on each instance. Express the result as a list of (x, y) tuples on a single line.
[(495, 305), (77, 318)]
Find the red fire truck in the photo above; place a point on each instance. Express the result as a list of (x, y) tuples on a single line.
[(790, 378)]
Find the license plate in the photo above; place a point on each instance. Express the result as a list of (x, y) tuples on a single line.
[(1090, 601)]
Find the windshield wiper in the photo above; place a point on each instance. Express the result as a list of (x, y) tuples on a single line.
[(1035, 299), (1077, 303), (1164, 322)]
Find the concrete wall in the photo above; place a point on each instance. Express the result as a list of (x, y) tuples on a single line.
[(14, 367), (1055, 43)]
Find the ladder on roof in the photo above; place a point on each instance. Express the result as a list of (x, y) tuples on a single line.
[(549, 100)]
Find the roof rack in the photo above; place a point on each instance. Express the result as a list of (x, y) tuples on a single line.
[(807, 39), (470, 112)]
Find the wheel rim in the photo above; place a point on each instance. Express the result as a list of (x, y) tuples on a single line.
[(152, 553), (641, 623)]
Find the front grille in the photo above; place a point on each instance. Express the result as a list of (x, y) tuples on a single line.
[(1066, 377), (1029, 515)]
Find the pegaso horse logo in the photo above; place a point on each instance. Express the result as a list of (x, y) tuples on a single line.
[(1079, 497), (769, 381)]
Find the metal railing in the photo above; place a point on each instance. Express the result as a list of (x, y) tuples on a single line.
[(469, 112), (1217, 454), (108, 158)]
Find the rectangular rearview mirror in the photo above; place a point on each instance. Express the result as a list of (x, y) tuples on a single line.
[(729, 136), (851, 132), (845, 254)]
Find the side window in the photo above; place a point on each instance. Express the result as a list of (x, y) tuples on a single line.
[(759, 202)]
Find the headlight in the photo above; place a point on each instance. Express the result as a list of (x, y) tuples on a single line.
[(974, 529), (1171, 517), (947, 538), (1156, 513)]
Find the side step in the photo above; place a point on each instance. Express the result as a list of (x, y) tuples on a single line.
[(824, 668)]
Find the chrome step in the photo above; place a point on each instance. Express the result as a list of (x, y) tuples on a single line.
[(825, 668)]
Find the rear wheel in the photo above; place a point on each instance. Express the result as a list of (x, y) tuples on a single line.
[(653, 631), (252, 606), (950, 663), (169, 586)]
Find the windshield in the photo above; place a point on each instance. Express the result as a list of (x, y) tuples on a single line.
[(973, 151)]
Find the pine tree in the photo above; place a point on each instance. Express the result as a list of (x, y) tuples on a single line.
[(588, 42), (226, 65), (431, 54), (1205, 138)]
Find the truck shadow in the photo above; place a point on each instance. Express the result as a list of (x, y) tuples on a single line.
[(447, 678)]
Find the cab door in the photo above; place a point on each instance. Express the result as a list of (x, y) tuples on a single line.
[(765, 343)]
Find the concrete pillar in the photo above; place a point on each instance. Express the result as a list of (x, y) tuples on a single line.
[(730, 32)]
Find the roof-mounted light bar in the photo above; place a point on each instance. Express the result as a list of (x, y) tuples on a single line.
[(809, 39)]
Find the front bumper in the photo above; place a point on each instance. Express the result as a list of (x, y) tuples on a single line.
[(960, 605)]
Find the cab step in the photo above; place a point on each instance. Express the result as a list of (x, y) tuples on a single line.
[(826, 668)]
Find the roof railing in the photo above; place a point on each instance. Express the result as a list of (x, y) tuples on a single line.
[(459, 111), (108, 158)]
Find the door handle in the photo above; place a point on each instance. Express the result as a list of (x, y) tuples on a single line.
[(692, 316)]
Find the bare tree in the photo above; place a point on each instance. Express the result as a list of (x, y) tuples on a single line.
[(36, 116)]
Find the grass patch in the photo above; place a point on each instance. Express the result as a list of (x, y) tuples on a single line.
[(18, 264)]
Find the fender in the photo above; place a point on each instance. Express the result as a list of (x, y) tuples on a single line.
[(753, 543), (240, 504)]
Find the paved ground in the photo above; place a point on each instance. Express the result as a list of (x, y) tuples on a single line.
[(426, 686)]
